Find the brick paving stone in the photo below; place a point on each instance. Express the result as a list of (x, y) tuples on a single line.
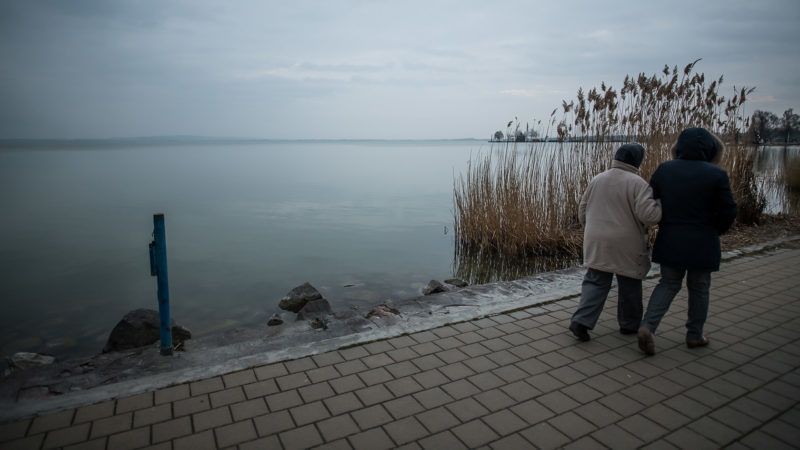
[(337, 427), (65, 436), (734, 418), (199, 441), (572, 424), (94, 412), (427, 362), (430, 378), (191, 405), (300, 365), (283, 400), (504, 422), (374, 394), (512, 441), (248, 409), (494, 399), (557, 402), (235, 433), (204, 387), (273, 423), (370, 417), (136, 438), (480, 364), (687, 406), (532, 411), (403, 407), (486, 381), (615, 437), (759, 439), (598, 414), (460, 389), (467, 409), (377, 360), (350, 367), (375, 376), (226, 397), (342, 403), (715, 431), (326, 359), (686, 438), (405, 430), (111, 425), (270, 371), (443, 440), (788, 432), (346, 384), (212, 419), (96, 444), (403, 386), (666, 417), (29, 443), (239, 378), (474, 434), (642, 428), (316, 392), (375, 438), (432, 398), (309, 413), (322, 374), (438, 419), (171, 429), (52, 421), (13, 430), (545, 436), (151, 415), (261, 388)]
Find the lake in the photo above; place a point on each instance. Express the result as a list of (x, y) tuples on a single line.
[(246, 222), (363, 221)]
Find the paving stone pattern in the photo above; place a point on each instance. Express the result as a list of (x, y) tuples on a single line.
[(515, 380)]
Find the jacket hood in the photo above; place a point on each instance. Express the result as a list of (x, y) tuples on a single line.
[(632, 154), (698, 144)]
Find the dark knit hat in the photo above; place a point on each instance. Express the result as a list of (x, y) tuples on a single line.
[(632, 154), (696, 144)]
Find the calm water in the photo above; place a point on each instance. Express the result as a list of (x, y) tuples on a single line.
[(245, 224)]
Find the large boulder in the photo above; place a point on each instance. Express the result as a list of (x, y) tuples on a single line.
[(139, 328), (434, 287), (314, 309), (298, 297)]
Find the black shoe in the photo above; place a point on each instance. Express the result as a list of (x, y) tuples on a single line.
[(694, 343), (646, 342), (580, 331), (626, 331)]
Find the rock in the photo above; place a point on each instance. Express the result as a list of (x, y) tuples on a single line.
[(382, 310), (298, 297), (139, 328), (26, 360), (457, 282), (318, 324), (434, 287), (274, 320), (314, 308)]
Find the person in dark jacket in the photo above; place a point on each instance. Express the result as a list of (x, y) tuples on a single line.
[(697, 206)]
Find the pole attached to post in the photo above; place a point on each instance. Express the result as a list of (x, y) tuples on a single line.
[(158, 268)]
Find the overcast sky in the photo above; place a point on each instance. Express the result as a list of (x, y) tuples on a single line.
[(362, 69)]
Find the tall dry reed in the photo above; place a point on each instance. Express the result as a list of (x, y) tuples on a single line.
[(521, 200)]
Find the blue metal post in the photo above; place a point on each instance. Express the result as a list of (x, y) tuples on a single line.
[(158, 267)]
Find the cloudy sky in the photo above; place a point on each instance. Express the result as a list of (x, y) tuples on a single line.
[(361, 69)]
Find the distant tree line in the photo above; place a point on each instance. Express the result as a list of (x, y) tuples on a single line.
[(768, 128)]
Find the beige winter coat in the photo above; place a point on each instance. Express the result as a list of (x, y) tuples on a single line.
[(616, 210)]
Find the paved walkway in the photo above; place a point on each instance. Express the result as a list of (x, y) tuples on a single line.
[(515, 380)]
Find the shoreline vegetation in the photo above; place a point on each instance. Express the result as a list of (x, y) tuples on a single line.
[(517, 204)]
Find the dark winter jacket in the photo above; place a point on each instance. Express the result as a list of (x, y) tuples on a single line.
[(696, 201)]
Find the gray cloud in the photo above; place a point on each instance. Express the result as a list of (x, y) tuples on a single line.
[(360, 69)]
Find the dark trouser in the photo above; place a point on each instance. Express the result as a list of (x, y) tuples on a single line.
[(698, 283), (594, 292)]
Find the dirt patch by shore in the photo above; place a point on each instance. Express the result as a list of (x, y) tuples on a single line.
[(771, 227)]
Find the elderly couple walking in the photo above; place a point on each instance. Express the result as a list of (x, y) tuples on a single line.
[(690, 199)]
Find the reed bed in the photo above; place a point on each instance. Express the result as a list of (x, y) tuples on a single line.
[(520, 201)]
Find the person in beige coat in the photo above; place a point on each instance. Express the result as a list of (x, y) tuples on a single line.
[(616, 210)]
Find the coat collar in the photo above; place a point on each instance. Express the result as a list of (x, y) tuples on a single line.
[(624, 166)]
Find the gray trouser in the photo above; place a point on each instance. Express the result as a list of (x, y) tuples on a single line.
[(698, 283), (594, 291)]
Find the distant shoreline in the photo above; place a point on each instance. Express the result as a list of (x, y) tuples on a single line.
[(157, 140)]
